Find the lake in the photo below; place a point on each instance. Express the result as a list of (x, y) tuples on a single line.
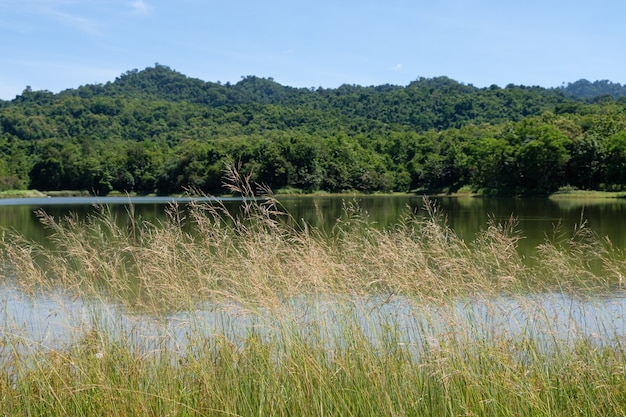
[(537, 217), (51, 319)]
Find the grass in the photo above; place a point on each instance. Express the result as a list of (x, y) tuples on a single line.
[(40, 194), (21, 194), (573, 193), (255, 313)]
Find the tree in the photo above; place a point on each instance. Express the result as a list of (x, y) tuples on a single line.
[(542, 156), (492, 165), (584, 168), (615, 162)]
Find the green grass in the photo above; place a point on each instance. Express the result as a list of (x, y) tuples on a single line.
[(258, 314), (586, 194), (21, 194), (295, 372), (39, 194)]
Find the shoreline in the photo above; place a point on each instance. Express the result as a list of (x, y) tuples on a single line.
[(569, 194)]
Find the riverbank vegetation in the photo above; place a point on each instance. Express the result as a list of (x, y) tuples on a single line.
[(254, 313), (158, 131)]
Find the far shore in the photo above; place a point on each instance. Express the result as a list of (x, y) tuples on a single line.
[(588, 194), (563, 194)]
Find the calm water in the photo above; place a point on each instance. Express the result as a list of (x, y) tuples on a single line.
[(537, 218), (51, 320)]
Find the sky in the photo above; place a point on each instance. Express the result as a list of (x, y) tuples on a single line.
[(59, 44)]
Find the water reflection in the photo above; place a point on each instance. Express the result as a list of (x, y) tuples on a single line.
[(53, 321), (537, 217)]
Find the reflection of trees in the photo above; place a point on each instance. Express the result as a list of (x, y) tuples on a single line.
[(570, 204), (22, 219), (466, 216)]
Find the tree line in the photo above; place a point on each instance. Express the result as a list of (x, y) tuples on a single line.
[(158, 131)]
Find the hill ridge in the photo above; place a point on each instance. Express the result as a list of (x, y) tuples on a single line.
[(157, 130)]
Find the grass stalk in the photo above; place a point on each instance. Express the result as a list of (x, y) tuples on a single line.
[(253, 313)]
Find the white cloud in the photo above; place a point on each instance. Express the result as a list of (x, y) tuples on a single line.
[(140, 7), (80, 23), (56, 10), (397, 67)]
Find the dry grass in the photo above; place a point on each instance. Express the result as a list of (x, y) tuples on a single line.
[(262, 255), (254, 313)]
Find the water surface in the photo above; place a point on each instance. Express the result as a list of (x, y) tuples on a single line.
[(49, 320), (538, 218)]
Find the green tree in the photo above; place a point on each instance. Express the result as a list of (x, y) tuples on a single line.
[(615, 162), (542, 156), (492, 165), (585, 166)]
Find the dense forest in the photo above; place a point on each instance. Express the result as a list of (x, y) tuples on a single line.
[(596, 90), (158, 131)]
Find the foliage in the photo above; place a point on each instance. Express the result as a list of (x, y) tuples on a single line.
[(597, 90), (157, 130)]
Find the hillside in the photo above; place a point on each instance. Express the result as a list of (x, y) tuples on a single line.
[(157, 130), (594, 90)]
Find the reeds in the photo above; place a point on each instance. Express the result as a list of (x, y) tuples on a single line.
[(255, 313)]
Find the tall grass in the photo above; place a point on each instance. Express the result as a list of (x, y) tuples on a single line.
[(255, 313)]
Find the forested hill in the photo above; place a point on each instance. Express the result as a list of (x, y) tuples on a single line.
[(156, 130), (437, 103), (596, 90)]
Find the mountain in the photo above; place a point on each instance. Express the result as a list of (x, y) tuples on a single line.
[(157, 130), (426, 103)]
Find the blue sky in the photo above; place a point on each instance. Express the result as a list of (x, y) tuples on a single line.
[(58, 44)]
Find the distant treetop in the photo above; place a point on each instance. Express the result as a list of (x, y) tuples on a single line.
[(588, 90)]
